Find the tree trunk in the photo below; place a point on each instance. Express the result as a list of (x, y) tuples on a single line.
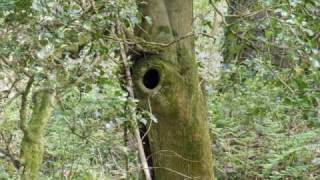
[(166, 82), (32, 142), (237, 49), (241, 42)]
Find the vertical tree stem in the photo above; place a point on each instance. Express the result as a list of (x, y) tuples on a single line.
[(32, 142)]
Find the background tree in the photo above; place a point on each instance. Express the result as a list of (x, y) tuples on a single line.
[(61, 47), (269, 74), (265, 29)]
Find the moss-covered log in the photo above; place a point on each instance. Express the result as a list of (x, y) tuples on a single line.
[(168, 82), (32, 142)]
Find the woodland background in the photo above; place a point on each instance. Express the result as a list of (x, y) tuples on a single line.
[(260, 62)]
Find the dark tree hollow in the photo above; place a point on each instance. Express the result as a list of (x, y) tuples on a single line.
[(151, 78)]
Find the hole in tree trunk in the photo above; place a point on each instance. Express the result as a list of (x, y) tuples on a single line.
[(151, 79)]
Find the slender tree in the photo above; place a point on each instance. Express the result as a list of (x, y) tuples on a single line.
[(247, 21), (32, 142), (166, 82)]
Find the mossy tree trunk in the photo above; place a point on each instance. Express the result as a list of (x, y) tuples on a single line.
[(167, 82), (32, 142)]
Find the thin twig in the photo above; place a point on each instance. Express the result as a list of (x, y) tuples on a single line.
[(173, 154), (23, 108), (125, 140), (136, 131), (176, 172), (149, 128), (141, 43), (8, 152)]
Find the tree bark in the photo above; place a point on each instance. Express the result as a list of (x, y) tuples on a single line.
[(167, 82), (32, 142)]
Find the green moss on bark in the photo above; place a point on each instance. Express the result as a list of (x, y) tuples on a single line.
[(180, 143), (32, 142)]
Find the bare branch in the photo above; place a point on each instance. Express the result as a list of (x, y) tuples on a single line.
[(23, 108), (7, 152), (136, 132)]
